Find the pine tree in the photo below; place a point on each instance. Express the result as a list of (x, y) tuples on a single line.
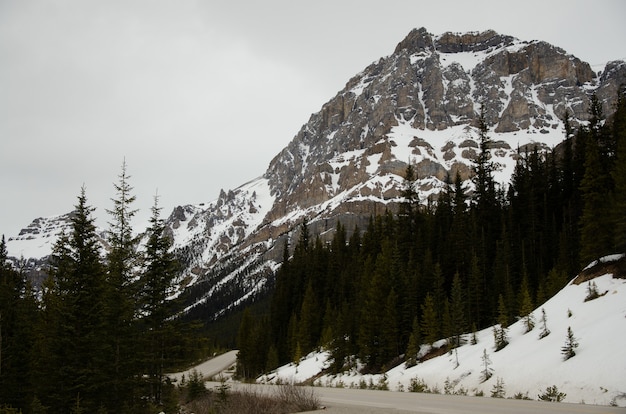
[(121, 262), (159, 271), (571, 343), (500, 330), (75, 328), (596, 232), (430, 323), (457, 310), (19, 312), (413, 346), (544, 325), (246, 346), (526, 306), (619, 173), (498, 390), (487, 371)]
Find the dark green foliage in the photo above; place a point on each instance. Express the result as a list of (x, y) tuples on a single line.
[(93, 342), (552, 394), (75, 342), (158, 273), (571, 343)]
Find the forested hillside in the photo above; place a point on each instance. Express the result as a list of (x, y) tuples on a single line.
[(458, 264)]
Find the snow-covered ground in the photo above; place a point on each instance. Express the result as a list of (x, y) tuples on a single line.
[(527, 365)]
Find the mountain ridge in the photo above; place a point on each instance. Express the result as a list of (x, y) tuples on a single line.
[(419, 105)]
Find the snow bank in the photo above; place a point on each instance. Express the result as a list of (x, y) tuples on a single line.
[(528, 365)]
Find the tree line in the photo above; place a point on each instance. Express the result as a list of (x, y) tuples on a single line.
[(462, 263), (99, 335)]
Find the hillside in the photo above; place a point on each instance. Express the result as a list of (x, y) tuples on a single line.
[(528, 364)]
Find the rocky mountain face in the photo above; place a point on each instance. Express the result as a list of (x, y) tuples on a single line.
[(419, 105)]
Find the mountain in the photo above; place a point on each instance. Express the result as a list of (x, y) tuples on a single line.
[(529, 364), (419, 105)]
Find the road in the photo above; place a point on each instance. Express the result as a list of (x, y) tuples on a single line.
[(210, 368), (353, 401)]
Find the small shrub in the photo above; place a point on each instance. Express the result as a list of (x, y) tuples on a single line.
[(592, 291), (417, 385), (195, 386), (498, 389), (302, 398), (552, 394), (520, 396)]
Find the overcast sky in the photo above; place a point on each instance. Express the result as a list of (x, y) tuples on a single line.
[(201, 95)]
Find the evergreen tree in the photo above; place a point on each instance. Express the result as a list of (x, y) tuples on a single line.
[(18, 319), (307, 322), (500, 330), (159, 271), (487, 371), (457, 310), (75, 334), (596, 234), (619, 173), (571, 343), (430, 323), (246, 346), (526, 306), (121, 261), (544, 325), (413, 346)]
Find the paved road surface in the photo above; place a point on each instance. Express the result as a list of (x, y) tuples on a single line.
[(352, 401), (349, 401), (210, 368)]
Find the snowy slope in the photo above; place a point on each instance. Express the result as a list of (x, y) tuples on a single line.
[(528, 365)]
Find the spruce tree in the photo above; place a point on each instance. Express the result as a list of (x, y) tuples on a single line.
[(19, 312), (500, 330), (457, 310), (544, 325), (596, 230), (429, 320), (75, 328), (487, 371), (571, 343), (526, 306), (619, 173), (122, 259), (596, 235), (159, 271), (413, 346)]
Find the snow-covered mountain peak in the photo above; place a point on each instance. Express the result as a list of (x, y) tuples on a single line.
[(419, 105)]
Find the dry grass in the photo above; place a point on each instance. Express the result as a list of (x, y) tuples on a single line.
[(286, 399)]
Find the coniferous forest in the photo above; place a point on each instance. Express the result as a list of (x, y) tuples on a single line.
[(99, 335), (462, 263)]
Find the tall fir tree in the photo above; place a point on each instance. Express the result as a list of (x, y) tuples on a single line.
[(75, 328), (159, 271), (619, 173), (122, 260)]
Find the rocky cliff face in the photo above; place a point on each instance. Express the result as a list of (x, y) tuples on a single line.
[(419, 105)]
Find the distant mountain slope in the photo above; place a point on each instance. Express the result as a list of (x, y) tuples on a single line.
[(419, 105), (528, 364)]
